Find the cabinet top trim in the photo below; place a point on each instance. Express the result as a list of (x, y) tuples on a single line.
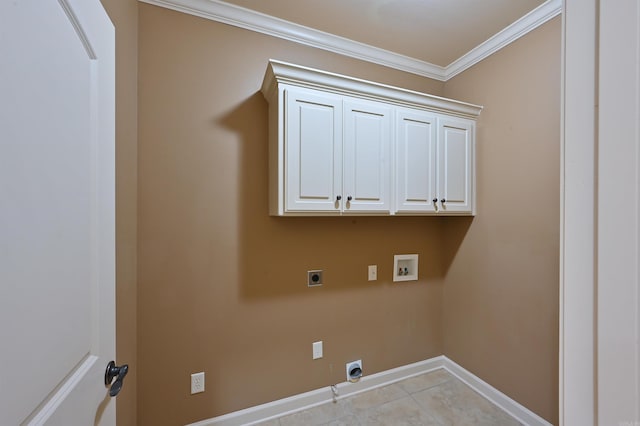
[(279, 72)]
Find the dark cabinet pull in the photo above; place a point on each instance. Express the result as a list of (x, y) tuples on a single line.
[(349, 198), (339, 197), (443, 201), (435, 200)]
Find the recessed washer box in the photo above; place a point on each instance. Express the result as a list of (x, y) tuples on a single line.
[(405, 267)]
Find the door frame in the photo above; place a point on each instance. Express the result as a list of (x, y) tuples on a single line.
[(600, 233)]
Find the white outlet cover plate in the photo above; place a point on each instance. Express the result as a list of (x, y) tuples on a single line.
[(317, 350), (197, 382), (373, 272)]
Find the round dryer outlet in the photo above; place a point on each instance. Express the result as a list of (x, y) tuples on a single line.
[(354, 371)]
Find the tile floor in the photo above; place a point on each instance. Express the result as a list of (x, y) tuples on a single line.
[(436, 398)]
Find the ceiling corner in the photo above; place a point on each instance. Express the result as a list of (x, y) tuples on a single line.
[(220, 11)]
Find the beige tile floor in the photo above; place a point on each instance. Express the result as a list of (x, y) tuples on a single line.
[(436, 398)]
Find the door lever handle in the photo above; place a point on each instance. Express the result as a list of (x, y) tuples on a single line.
[(116, 372)]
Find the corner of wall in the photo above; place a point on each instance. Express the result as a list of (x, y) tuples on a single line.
[(124, 16)]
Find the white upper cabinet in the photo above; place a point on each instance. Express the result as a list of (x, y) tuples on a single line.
[(337, 154), (367, 157), (340, 145), (456, 166), (313, 152), (416, 152), (434, 164)]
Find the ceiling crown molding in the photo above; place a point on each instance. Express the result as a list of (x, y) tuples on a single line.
[(522, 26), (237, 16)]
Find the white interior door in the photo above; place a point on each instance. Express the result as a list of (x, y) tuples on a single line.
[(56, 212)]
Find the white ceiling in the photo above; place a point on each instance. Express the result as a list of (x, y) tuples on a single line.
[(433, 38), (434, 31)]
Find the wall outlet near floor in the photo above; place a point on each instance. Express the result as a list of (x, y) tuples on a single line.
[(373, 272), (197, 382), (317, 350)]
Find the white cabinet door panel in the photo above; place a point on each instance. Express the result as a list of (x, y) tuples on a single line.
[(455, 152), (416, 161), (313, 151), (367, 165)]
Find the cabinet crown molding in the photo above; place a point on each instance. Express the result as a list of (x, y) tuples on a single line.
[(279, 72)]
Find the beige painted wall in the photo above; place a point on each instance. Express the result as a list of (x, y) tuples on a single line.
[(222, 285), (124, 15), (501, 290)]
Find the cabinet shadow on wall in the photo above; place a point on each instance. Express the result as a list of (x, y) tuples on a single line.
[(275, 253)]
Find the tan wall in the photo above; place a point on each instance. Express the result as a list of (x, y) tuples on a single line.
[(501, 289), (222, 285), (124, 15)]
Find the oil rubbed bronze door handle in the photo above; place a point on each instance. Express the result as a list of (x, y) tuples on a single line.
[(116, 372)]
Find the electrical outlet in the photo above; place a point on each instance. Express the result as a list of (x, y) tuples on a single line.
[(197, 383), (317, 350), (314, 278), (373, 272)]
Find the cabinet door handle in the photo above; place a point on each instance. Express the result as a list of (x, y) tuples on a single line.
[(435, 200), (339, 197), (443, 201), (349, 198)]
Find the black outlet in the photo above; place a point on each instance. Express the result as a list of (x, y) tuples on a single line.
[(314, 278)]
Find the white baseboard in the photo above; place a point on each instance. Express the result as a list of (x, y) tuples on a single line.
[(304, 401), (511, 407)]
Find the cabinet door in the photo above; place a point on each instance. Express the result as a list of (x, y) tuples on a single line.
[(367, 157), (415, 161), (313, 170), (455, 166)]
